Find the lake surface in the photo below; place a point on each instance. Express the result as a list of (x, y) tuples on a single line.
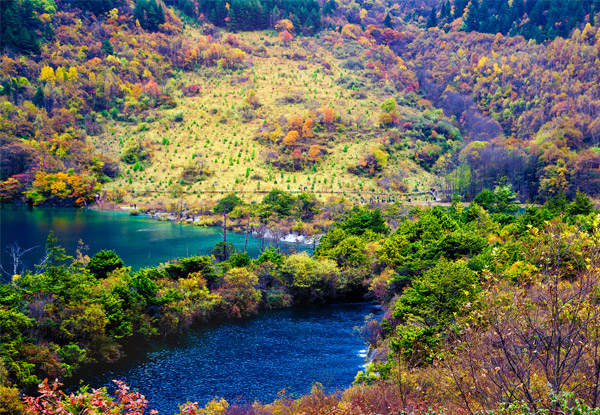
[(247, 360), (138, 240)]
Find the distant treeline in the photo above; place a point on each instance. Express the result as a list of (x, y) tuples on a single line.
[(533, 19), (262, 14)]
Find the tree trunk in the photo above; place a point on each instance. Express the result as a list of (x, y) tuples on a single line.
[(247, 229), (225, 234)]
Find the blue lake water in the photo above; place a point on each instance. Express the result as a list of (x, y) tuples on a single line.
[(247, 360)]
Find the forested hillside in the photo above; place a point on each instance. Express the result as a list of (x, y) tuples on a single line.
[(384, 97)]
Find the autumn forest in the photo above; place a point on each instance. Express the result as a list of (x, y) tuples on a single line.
[(442, 158)]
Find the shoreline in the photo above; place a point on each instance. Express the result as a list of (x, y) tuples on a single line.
[(196, 220)]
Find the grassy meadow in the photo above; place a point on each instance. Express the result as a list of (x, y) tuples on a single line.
[(211, 131)]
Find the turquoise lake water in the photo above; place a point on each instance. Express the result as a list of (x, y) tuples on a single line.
[(138, 240)]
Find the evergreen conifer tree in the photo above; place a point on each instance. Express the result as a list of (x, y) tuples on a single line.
[(232, 21), (472, 16), (387, 22), (309, 24), (38, 98), (459, 8), (107, 47), (432, 21), (446, 11), (484, 18)]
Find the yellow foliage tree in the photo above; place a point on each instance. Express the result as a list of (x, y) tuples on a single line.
[(482, 62), (351, 31), (381, 156), (61, 74), (73, 75), (47, 74), (284, 24), (276, 135), (113, 14)]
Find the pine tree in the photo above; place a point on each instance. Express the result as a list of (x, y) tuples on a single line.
[(232, 20), (472, 16), (484, 18), (432, 21), (387, 22), (517, 10), (139, 11), (150, 14), (504, 18), (156, 15), (309, 24), (329, 7), (18, 23), (459, 8), (315, 16), (296, 22), (445, 12), (107, 47), (38, 98)]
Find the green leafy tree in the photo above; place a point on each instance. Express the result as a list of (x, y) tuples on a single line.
[(239, 260), (485, 199), (431, 305), (228, 203), (223, 250), (38, 98), (279, 202), (270, 255), (183, 267), (360, 220), (310, 279), (581, 205), (307, 205), (103, 263)]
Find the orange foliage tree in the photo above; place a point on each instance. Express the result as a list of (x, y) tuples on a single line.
[(295, 123), (313, 153), (328, 115), (291, 138), (307, 128), (285, 37)]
